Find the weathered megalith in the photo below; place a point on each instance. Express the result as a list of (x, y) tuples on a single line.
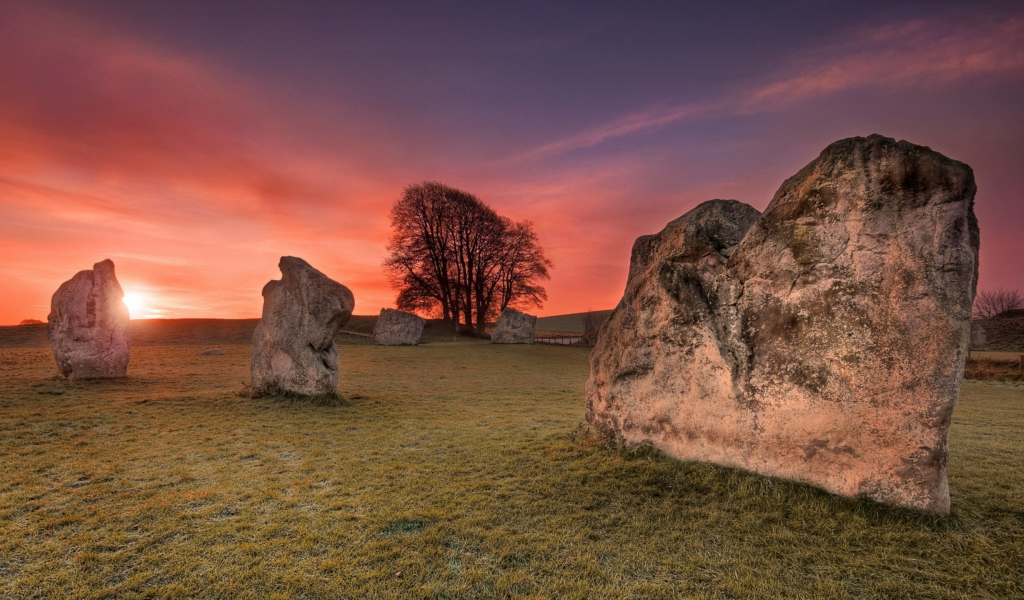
[(398, 328), (514, 327), (823, 341), (293, 349), (89, 326), (977, 336)]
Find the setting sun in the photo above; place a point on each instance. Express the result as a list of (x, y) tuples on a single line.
[(139, 306), (135, 304)]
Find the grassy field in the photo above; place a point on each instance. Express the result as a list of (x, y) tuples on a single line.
[(452, 470)]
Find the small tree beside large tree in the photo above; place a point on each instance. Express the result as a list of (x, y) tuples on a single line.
[(451, 256), (990, 303)]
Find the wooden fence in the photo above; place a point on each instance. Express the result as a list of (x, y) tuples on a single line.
[(558, 338)]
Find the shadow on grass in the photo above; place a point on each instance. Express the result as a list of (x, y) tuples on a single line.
[(59, 385), (403, 526), (656, 475), (286, 397)]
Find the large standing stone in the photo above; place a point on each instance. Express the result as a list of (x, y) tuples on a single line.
[(514, 327), (823, 341), (89, 325), (293, 347), (398, 328)]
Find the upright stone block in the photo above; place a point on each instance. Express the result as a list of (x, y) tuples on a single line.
[(89, 326), (398, 328), (514, 327), (823, 341), (293, 348)]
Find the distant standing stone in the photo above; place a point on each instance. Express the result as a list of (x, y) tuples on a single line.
[(398, 328), (977, 336), (293, 347), (212, 352), (89, 325), (514, 327)]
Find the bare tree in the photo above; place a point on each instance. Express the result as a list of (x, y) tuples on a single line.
[(452, 255), (523, 265), (990, 303), (420, 255)]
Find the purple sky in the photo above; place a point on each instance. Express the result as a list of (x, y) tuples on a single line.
[(196, 142)]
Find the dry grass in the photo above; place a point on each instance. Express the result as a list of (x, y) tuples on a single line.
[(995, 366), (450, 471)]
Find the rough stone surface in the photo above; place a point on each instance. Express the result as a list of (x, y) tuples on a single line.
[(823, 341), (293, 349), (398, 328), (514, 327), (212, 352), (89, 326)]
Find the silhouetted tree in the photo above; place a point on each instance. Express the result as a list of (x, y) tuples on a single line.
[(990, 303), (452, 256), (419, 262), (522, 265)]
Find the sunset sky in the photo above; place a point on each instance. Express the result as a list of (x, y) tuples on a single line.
[(196, 142)]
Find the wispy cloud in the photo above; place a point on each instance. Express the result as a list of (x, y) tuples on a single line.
[(894, 56)]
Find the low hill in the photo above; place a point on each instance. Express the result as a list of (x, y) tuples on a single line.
[(212, 332), (148, 332), (209, 332), (1003, 333), (570, 323), (24, 336), (156, 332)]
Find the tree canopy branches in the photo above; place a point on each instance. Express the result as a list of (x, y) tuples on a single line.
[(991, 303), (451, 256)]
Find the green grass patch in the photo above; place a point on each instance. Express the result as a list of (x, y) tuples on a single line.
[(451, 470), (403, 526)]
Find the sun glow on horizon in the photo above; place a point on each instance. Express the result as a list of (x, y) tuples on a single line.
[(139, 306)]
